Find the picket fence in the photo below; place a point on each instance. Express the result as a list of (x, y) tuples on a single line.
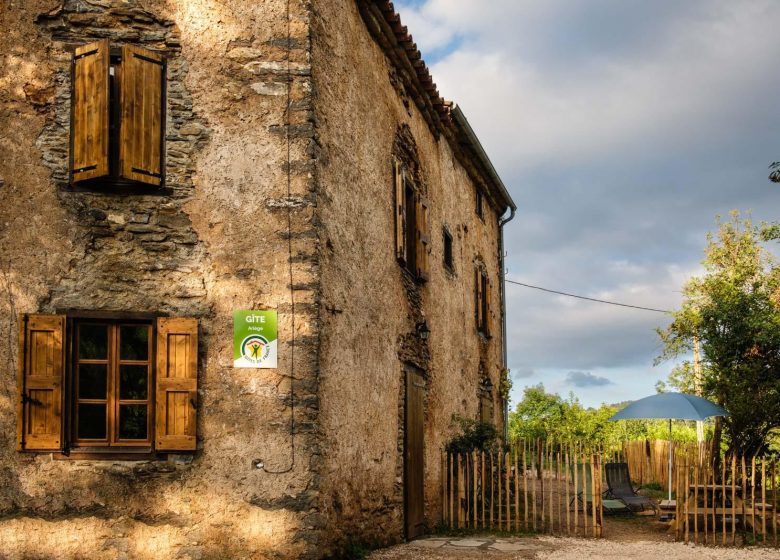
[(554, 489), (558, 489), (728, 501)]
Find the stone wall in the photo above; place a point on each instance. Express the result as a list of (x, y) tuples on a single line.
[(370, 304), (236, 231)]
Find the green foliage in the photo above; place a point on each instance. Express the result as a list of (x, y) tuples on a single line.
[(504, 385), (474, 436), (774, 176), (547, 416), (734, 311)]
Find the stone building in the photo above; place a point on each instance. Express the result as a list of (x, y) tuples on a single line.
[(165, 163)]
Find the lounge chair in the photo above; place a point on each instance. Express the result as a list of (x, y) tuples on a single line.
[(620, 488), (610, 507)]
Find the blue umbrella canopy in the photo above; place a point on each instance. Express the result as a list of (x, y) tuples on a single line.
[(670, 406), (677, 406)]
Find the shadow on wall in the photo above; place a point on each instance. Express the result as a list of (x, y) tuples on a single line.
[(232, 529)]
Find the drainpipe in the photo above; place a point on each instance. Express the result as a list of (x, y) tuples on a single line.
[(505, 360)]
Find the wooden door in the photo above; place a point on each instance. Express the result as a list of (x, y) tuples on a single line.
[(414, 462)]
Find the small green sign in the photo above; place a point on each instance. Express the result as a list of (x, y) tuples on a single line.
[(254, 339)]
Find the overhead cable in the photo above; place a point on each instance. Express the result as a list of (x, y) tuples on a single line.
[(586, 298)]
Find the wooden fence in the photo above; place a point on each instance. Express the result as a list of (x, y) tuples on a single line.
[(727, 501), (555, 489), (648, 460), (558, 489)]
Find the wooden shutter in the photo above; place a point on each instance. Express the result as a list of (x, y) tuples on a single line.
[(478, 297), (423, 238), (142, 122), (400, 211), (177, 384), (486, 295), (40, 381), (89, 112)]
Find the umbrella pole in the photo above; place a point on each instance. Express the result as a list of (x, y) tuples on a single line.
[(670, 459)]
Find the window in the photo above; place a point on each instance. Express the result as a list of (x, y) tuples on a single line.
[(97, 384), (411, 225), (479, 205), (482, 300), (448, 251), (111, 400), (117, 116)]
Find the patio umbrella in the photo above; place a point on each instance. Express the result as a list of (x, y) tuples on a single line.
[(671, 406)]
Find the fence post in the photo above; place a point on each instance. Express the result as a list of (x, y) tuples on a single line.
[(567, 503), (525, 488), (774, 501), (764, 509), (584, 495), (753, 495), (482, 486), (696, 470), (734, 499), (461, 491), (576, 493), (517, 490), (723, 489), (443, 487), (686, 490)]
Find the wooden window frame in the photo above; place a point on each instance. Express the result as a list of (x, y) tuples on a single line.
[(113, 182), (482, 301), (448, 254), (112, 443), (48, 361), (412, 224)]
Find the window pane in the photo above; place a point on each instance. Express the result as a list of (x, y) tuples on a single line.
[(134, 342), (132, 382), (92, 381), (132, 421), (93, 342), (92, 421)]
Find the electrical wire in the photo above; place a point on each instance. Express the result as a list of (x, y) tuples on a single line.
[(586, 298), (289, 259)]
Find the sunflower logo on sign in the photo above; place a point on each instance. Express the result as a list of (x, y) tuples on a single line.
[(255, 348)]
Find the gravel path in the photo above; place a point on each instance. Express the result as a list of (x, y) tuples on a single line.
[(552, 548)]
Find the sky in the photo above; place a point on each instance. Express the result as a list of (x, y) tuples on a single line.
[(621, 128)]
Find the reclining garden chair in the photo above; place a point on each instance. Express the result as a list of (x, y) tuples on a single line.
[(585, 497), (620, 488)]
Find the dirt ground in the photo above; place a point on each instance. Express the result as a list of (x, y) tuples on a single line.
[(637, 538)]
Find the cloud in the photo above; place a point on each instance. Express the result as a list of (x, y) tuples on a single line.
[(523, 373), (585, 379), (620, 129)]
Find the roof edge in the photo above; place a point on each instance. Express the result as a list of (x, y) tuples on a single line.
[(463, 123), (443, 117)]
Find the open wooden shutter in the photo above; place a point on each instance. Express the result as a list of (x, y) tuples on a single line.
[(177, 384), (40, 381), (143, 117), (423, 238), (478, 297), (400, 211), (89, 112), (486, 295)]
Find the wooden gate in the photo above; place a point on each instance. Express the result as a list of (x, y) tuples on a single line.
[(414, 462)]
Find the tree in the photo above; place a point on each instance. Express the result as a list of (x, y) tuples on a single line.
[(734, 311), (539, 415), (547, 416), (774, 175)]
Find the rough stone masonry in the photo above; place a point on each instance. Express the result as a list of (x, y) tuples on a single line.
[(282, 121)]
